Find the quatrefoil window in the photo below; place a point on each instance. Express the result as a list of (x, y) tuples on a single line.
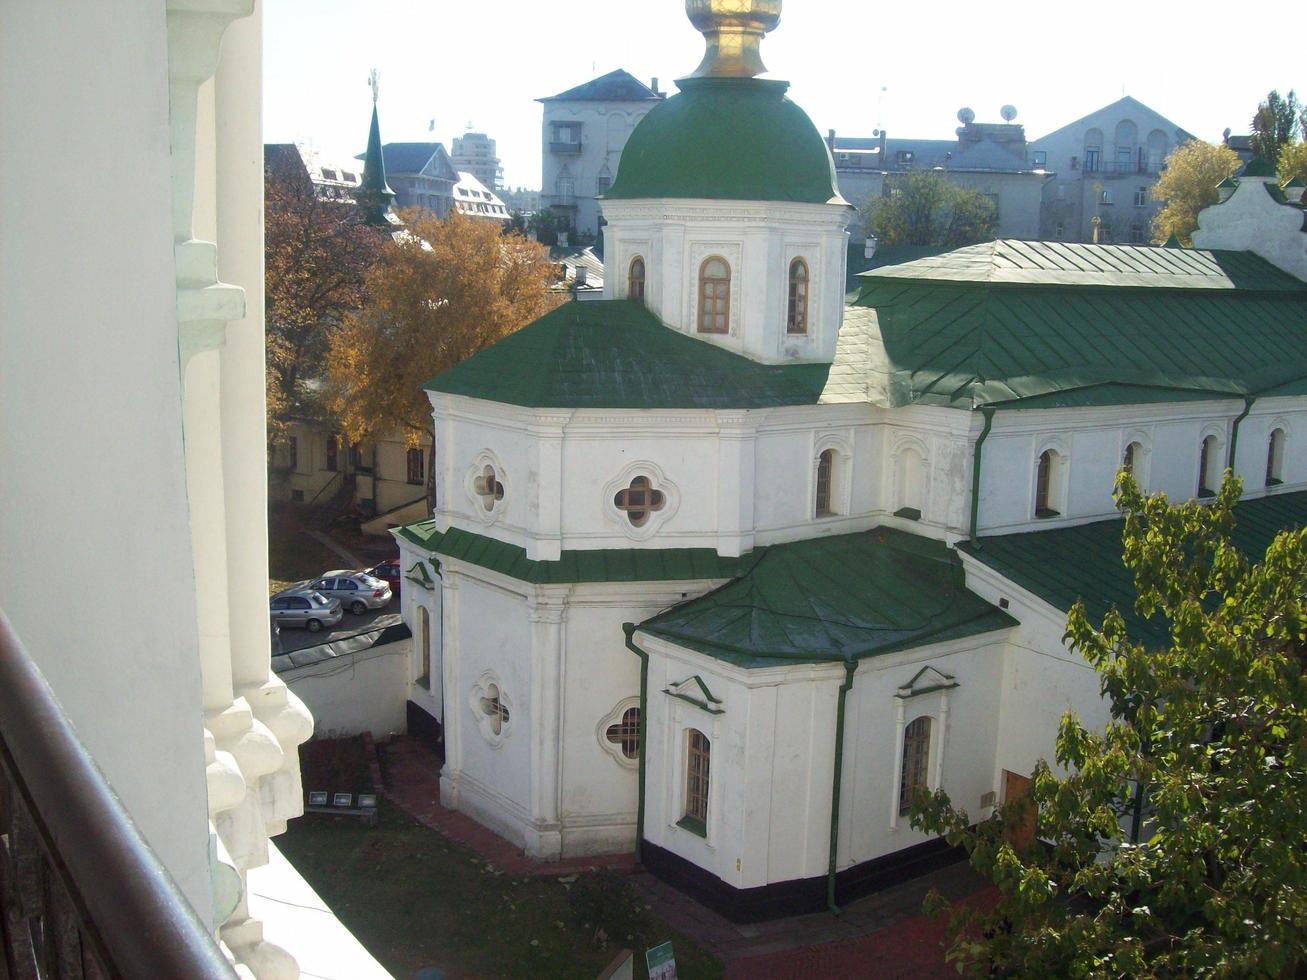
[(639, 500), (495, 710), (488, 488), (625, 734)]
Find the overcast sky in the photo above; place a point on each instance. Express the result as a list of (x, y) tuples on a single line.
[(1204, 66)]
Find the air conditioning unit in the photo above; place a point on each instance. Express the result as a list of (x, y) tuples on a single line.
[(988, 799)]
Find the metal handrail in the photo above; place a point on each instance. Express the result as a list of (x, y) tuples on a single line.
[(130, 909)]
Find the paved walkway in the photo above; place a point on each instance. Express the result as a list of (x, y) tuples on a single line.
[(883, 935), (411, 772), (350, 559)]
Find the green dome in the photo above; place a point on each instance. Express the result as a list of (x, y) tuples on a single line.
[(737, 139)]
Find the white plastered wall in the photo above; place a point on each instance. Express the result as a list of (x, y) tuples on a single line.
[(773, 751), (758, 240)]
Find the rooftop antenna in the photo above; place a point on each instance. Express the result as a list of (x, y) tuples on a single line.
[(880, 106), (374, 83)]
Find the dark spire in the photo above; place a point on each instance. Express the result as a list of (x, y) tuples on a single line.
[(374, 195)]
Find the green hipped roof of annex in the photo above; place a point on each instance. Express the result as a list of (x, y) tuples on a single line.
[(1038, 560), (1040, 324)]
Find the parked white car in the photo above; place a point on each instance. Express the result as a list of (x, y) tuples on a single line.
[(307, 609), (357, 591)]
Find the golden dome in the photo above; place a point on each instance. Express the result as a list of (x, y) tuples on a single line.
[(733, 30)]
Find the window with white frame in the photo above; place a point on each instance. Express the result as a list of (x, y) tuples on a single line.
[(796, 312), (714, 295), (1209, 466), (914, 774), (1275, 458), (698, 758), (1049, 477), (1141, 197), (825, 483), (423, 667), (635, 280)]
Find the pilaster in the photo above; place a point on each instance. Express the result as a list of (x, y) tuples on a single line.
[(736, 450), (547, 432), (548, 612)]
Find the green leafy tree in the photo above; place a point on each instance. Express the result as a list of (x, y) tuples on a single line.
[(923, 208), (1292, 162), (1188, 184), (1178, 834), (1274, 123)]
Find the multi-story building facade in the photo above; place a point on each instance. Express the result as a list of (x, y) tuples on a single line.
[(582, 135), (991, 158), (476, 200), (1105, 165), (475, 153), (421, 175)]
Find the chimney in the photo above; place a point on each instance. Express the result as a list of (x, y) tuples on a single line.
[(653, 84), (582, 274), (562, 239), (830, 139), (869, 246)]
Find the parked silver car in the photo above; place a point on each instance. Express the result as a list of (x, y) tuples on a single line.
[(308, 609), (357, 591)]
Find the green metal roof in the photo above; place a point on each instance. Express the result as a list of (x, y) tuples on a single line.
[(1084, 562), (1018, 320), (833, 599), (1011, 262), (727, 138), (1257, 167), (616, 354), (598, 565)]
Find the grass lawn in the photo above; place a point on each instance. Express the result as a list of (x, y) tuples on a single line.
[(292, 555), (415, 899)]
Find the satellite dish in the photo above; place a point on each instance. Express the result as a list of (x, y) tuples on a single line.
[(875, 132), (966, 116), (1008, 112)]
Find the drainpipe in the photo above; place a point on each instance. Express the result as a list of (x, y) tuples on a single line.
[(1234, 432), (849, 667), (988, 412), (629, 630)]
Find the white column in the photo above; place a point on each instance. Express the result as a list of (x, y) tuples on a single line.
[(898, 764), (450, 653), (736, 441), (548, 610), (546, 539)]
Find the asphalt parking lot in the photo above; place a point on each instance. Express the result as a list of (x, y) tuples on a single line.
[(298, 638)]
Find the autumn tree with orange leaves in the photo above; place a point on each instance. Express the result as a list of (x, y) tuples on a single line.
[(316, 254), (440, 292)]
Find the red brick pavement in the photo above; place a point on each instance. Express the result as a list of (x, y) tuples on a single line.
[(411, 776)]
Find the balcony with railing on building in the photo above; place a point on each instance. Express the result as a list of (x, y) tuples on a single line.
[(81, 892), (565, 138)]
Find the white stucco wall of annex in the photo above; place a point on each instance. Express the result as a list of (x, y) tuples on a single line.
[(758, 241)]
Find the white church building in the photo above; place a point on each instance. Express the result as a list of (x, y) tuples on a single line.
[(724, 569)]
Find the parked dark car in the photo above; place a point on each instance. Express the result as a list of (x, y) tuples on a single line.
[(388, 571)]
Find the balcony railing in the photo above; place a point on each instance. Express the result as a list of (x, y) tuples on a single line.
[(81, 893), (1117, 167), (565, 148)]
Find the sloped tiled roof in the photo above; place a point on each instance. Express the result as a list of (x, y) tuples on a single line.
[(997, 323), (597, 565), (616, 354), (836, 598), (616, 86), (1036, 560)]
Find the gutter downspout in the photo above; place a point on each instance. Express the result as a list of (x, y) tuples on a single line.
[(988, 412), (1234, 432), (849, 667), (629, 630)]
